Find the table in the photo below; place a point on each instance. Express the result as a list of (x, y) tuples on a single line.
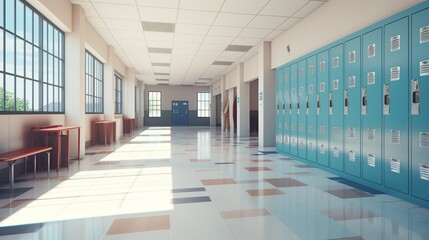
[(57, 132), (128, 125), (109, 128)]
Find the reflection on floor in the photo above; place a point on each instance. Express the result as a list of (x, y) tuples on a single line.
[(200, 183)]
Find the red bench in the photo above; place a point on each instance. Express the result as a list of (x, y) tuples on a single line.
[(12, 156)]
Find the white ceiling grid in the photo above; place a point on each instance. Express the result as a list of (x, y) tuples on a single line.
[(203, 29)]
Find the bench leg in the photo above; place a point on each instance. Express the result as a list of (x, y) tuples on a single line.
[(25, 166), (11, 175), (49, 163), (35, 167)]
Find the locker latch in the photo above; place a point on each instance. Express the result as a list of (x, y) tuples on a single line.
[(331, 103), (364, 101), (290, 105), (283, 108), (298, 105), (307, 104), (415, 94), (386, 100), (318, 104), (346, 102)]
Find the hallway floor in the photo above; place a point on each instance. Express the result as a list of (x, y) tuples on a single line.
[(186, 183)]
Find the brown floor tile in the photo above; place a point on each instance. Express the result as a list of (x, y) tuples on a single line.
[(258, 161), (349, 193), (285, 182), (257, 169), (245, 213), (301, 174), (264, 192), (221, 181), (16, 203), (348, 214), (139, 224)]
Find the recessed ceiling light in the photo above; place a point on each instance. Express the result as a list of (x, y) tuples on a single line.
[(222, 63), (161, 64), (162, 73), (159, 50), (158, 27), (238, 48)]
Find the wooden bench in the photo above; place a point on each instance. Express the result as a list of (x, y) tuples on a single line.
[(12, 156)]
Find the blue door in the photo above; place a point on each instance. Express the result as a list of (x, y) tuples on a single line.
[(395, 105), (311, 109), (279, 110), (302, 109), (420, 104), (352, 107), (294, 116), (180, 113), (336, 107), (322, 109), (372, 109), (287, 110)]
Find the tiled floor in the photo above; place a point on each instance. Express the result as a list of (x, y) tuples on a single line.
[(200, 183)]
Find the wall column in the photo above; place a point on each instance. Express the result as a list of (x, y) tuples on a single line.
[(212, 107), (109, 77), (243, 112), (75, 80), (224, 98), (266, 96), (231, 109), (128, 91)]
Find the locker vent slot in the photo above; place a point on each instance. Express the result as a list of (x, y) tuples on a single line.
[(371, 50), (371, 134), (395, 165), (352, 81), (301, 127), (293, 127), (424, 172), (302, 144), (322, 66), (395, 43), (424, 139), (395, 73), (301, 91), (336, 131), (371, 160), (335, 152), (310, 89), (322, 129), (424, 34), (335, 84), (322, 149), (322, 87), (311, 145), (310, 128), (424, 68), (395, 137), (335, 62), (311, 69), (352, 132), (371, 78), (352, 156), (352, 56)]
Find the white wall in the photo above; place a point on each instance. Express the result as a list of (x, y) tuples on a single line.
[(334, 20), (58, 11), (251, 69), (231, 80), (216, 89)]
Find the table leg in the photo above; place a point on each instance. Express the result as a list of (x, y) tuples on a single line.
[(25, 165), (11, 175), (78, 144), (67, 149), (105, 134), (114, 131), (93, 133), (58, 135)]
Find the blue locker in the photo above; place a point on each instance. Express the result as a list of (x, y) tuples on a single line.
[(287, 109), (322, 109), (396, 104), (293, 115), (311, 107), (371, 106), (352, 107), (336, 107), (279, 114), (301, 109), (420, 104)]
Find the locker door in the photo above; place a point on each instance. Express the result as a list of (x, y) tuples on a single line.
[(279, 115), (311, 109), (395, 105), (371, 106), (322, 110), (287, 109), (302, 114), (336, 107), (420, 104), (352, 109), (294, 116)]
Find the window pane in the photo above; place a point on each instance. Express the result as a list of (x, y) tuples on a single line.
[(50, 69), (36, 64), (19, 57), (1, 93), (29, 95), (36, 29), (19, 93), (45, 67), (28, 24), (55, 42), (10, 15), (10, 53), (1, 10), (20, 18), (10, 93), (45, 35), (28, 60), (1, 49), (36, 96)]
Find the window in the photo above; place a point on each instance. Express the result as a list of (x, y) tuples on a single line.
[(31, 61), (203, 107), (93, 84), (154, 104), (118, 94)]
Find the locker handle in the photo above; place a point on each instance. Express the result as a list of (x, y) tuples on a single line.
[(318, 102), (364, 101), (331, 103), (416, 97), (346, 98), (283, 106), (308, 104), (387, 99), (290, 105)]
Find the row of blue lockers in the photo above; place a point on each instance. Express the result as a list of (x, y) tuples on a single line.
[(360, 106)]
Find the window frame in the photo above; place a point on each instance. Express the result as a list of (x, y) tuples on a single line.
[(42, 87), (116, 92), (92, 94), (150, 103), (199, 110)]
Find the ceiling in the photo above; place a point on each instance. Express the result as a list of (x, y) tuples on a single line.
[(190, 42)]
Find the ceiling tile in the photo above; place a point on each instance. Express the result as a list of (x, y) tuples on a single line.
[(159, 44), (161, 69), (243, 6), (124, 2), (309, 8), (131, 25), (197, 39), (224, 31), (246, 41), (196, 17), (232, 20), (191, 29), (117, 11), (89, 9), (218, 39), (289, 23), (158, 36), (274, 34), (267, 22), (229, 56), (120, 34), (96, 22), (255, 33), (285, 8), (212, 5), (151, 14), (159, 3)]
